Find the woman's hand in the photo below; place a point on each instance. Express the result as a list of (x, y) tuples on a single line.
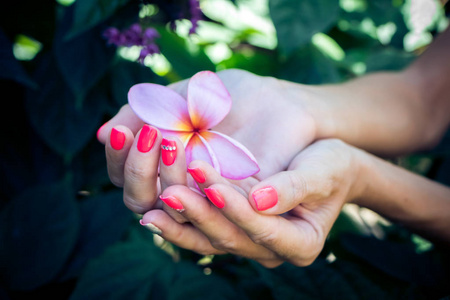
[(265, 117), (285, 217)]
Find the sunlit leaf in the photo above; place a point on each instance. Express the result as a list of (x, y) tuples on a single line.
[(297, 21)]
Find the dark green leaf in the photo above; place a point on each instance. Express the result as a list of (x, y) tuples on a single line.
[(125, 74), (11, 68), (397, 260), (308, 65), (297, 21), (382, 11), (65, 125), (82, 60), (126, 271), (191, 283), (322, 280), (89, 13), (388, 59), (104, 219), (38, 231)]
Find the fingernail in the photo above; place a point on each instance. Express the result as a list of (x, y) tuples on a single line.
[(169, 151), (154, 229), (265, 198), (117, 139), (147, 138), (172, 202), (100, 129), (214, 196), (197, 174)]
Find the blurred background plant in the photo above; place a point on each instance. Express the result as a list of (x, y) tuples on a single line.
[(66, 67)]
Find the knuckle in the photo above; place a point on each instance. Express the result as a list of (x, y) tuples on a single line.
[(299, 185), (136, 173), (264, 237), (227, 245)]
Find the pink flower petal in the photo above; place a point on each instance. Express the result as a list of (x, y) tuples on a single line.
[(208, 100), (159, 106), (198, 149), (184, 136), (236, 162)]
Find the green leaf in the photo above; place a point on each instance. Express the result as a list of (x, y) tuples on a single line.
[(258, 62), (185, 61), (104, 219), (38, 231), (65, 125), (11, 68), (82, 60), (398, 260), (191, 283), (126, 271), (309, 66), (322, 280), (388, 59), (125, 74), (297, 21), (90, 13)]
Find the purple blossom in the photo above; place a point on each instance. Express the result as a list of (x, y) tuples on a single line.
[(196, 15), (134, 36)]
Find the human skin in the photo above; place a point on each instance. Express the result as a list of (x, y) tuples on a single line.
[(311, 193), (385, 113)]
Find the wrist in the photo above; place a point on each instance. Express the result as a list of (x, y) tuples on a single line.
[(361, 167)]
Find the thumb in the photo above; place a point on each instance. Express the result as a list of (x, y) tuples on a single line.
[(125, 117), (285, 190)]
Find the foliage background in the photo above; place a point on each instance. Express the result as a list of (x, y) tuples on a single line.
[(64, 231)]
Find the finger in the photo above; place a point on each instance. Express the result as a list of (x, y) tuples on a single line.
[(172, 172), (173, 162), (205, 175), (311, 181), (184, 235), (118, 143), (141, 171), (223, 234), (125, 117), (294, 239)]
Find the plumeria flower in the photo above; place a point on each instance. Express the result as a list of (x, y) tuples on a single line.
[(207, 104)]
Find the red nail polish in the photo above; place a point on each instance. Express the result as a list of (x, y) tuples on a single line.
[(172, 202), (197, 174), (265, 198), (214, 196), (147, 138), (117, 139), (168, 151)]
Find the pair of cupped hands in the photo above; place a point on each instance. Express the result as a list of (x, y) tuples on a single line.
[(304, 181)]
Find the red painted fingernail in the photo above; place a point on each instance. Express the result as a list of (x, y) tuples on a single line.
[(172, 202), (117, 139), (197, 174), (265, 198), (147, 138), (215, 197), (168, 152), (100, 129)]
